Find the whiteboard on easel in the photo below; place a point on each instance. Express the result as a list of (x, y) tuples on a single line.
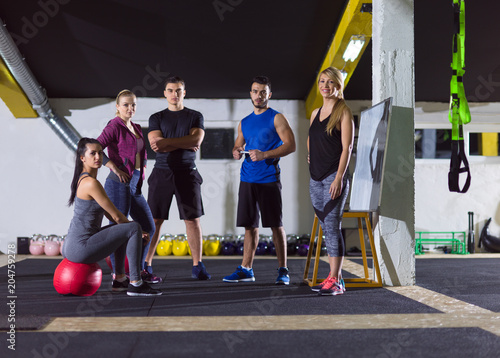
[(370, 153)]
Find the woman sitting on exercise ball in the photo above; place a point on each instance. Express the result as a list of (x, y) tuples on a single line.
[(86, 241)]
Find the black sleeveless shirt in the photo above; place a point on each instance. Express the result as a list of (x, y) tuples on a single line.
[(324, 149)]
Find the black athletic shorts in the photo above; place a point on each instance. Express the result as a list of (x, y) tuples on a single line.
[(255, 197), (185, 184)]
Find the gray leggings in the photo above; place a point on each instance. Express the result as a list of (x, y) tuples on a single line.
[(121, 239), (329, 212)]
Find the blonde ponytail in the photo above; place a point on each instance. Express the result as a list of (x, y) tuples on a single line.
[(337, 112)]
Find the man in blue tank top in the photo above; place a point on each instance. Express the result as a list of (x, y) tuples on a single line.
[(264, 137)]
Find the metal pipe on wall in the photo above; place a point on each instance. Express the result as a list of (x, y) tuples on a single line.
[(35, 93)]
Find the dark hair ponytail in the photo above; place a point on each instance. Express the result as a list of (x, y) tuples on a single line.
[(80, 152)]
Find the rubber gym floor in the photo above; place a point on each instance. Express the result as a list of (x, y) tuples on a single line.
[(452, 311)]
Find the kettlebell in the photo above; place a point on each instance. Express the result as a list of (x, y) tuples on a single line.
[(212, 245), (37, 244), (180, 245), (164, 247), (52, 247), (61, 242)]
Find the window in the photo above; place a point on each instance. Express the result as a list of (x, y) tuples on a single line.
[(485, 144), (433, 143), (218, 143)]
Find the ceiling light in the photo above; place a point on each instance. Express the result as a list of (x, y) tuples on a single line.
[(344, 74), (354, 47)]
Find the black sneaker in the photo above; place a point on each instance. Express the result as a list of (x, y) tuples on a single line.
[(200, 272), (142, 290), (118, 286)]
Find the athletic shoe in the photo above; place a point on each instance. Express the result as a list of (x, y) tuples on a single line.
[(200, 272), (331, 288), (113, 276), (240, 275), (342, 285), (283, 278), (317, 288), (118, 286), (142, 290), (150, 277)]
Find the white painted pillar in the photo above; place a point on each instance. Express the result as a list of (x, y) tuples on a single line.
[(393, 76)]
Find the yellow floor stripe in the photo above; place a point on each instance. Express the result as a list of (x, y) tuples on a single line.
[(271, 323), (456, 311), (455, 314), (353, 268), (427, 297), (438, 301)]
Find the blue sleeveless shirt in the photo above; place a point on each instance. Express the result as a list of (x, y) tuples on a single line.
[(259, 133)]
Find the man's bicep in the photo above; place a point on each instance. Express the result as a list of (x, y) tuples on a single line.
[(283, 128), (197, 132)]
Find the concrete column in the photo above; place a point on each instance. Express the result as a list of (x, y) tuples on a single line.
[(393, 76)]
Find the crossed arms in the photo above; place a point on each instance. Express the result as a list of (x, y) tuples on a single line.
[(192, 141)]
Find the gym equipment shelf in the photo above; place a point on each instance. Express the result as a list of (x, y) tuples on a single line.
[(458, 246), (349, 282)]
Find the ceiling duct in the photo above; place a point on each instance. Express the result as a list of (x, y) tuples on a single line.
[(35, 93)]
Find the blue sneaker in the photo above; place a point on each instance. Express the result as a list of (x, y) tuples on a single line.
[(240, 275), (200, 272), (283, 278)]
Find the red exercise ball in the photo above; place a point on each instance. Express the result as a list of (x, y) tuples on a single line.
[(108, 261), (77, 279)]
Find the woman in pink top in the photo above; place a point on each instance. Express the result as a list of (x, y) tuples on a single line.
[(127, 161)]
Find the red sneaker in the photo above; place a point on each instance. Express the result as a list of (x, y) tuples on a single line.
[(331, 288), (317, 288)]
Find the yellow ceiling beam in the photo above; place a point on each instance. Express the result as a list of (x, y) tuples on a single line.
[(13, 95), (353, 22)]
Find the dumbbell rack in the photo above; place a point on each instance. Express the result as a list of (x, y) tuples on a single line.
[(349, 282)]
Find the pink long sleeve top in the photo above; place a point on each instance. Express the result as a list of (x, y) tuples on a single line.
[(122, 146)]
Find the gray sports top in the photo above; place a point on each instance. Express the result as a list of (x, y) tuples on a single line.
[(87, 219)]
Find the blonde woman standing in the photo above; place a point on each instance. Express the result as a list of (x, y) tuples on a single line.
[(330, 141), (127, 161)]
